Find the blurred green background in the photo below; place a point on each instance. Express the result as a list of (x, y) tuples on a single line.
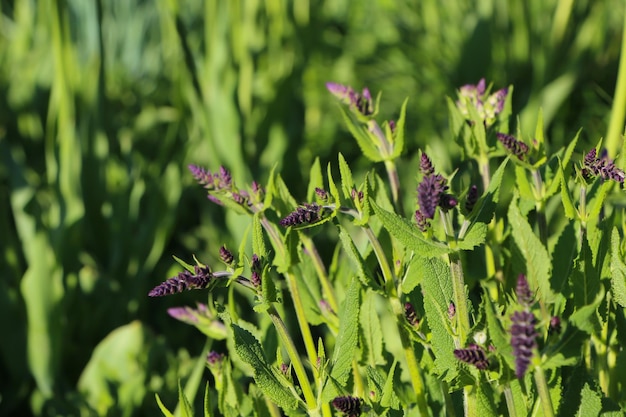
[(103, 104)]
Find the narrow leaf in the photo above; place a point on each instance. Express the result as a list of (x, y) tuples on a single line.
[(371, 330), (568, 205), (184, 406), (162, 407), (347, 183), (618, 270), (316, 180), (362, 136), (398, 139)]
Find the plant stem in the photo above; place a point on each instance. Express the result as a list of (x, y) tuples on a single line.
[(544, 393), (394, 182), (483, 167), (510, 401), (396, 306), (321, 270), (303, 379)]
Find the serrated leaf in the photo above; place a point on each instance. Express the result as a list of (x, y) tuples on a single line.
[(347, 183), (517, 394), (364, 206), (563, 257), (408, 234), (539, 128), (597, 202), (497, 334), (207, 401), (316, 180), (534, 253), (590, 402), (398, 139), (484, 401), (184, 264), (362, 270), (475, 237), (249, 349), (486, 204), (437, 290), (183, 403), (618, 270), (332, 187), (258, 239), (566, 350), (586, 278), (523, 185), (389, 397), (568, 205), (586, 318), (371, 330), (569, 151), (347, 340), (162, 407), (363, 137)]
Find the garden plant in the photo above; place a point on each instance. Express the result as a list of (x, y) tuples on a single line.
[(502, 292)]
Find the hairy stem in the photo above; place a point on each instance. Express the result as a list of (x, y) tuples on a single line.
[(544, 392)]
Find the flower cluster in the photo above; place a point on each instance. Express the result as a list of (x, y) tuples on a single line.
[(523, 332), (256, 269), (349, 406), (201, 278), (431, 193), (221, 186), (487, 106), (514, 146), (471, 199), (594, 166), (305, 214), (226, 256), (411, 315), (474, 355), (362, 102)]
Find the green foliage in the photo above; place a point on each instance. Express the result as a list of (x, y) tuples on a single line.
[(104, 105)]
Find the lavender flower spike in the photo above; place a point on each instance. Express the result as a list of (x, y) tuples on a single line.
[(349, 406), (473, 355), (523, 292), (185, 280), (306, 214), (523, 340), (429, 192), (516, 147)]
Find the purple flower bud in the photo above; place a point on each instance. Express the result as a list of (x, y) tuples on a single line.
[(523, 292), (451, 310), (523, 340), (421, 220), (363, 102), (225, 178), (183, 281), (555, 325), (594, 166), (471, 199), (322, 194), (201, 175), (239, 198), (392, 126), (226, 256), (255, 263), (284, 369), (429, 192), (411, 315), (516, 147), (215, 200), (474, 355), (214, 359), (255, 279), (306, 214), (356, 195), (184, 314), (348, 405), (426, 165), (447, 202)]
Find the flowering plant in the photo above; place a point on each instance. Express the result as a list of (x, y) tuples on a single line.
[(503, 293)]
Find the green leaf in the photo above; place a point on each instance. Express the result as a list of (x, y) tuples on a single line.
[(371, 330), (566, 350), (250, 351), (363, 271), (497, 334), (476, 236), (207, 401), (389, 397), (586, 317), (347, 340), (363, 137), (564, 257), (258, 239), (347, 183), (534, 253), (568, 206), (590, 402), (618, 270), (484, 401), (408, 234), (398, 139), (486, 205), (437, 290), (334, 191), (523, 185), (162, 407), (183, 403), (539, 128), (597, 202), (585, 279), (316, 180)]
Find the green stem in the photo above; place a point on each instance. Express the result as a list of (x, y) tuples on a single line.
[(298, 367), (544, 392), (409, 352), (618, 110), (510, 401), (394, 183), (485, 172), (329, 293)]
